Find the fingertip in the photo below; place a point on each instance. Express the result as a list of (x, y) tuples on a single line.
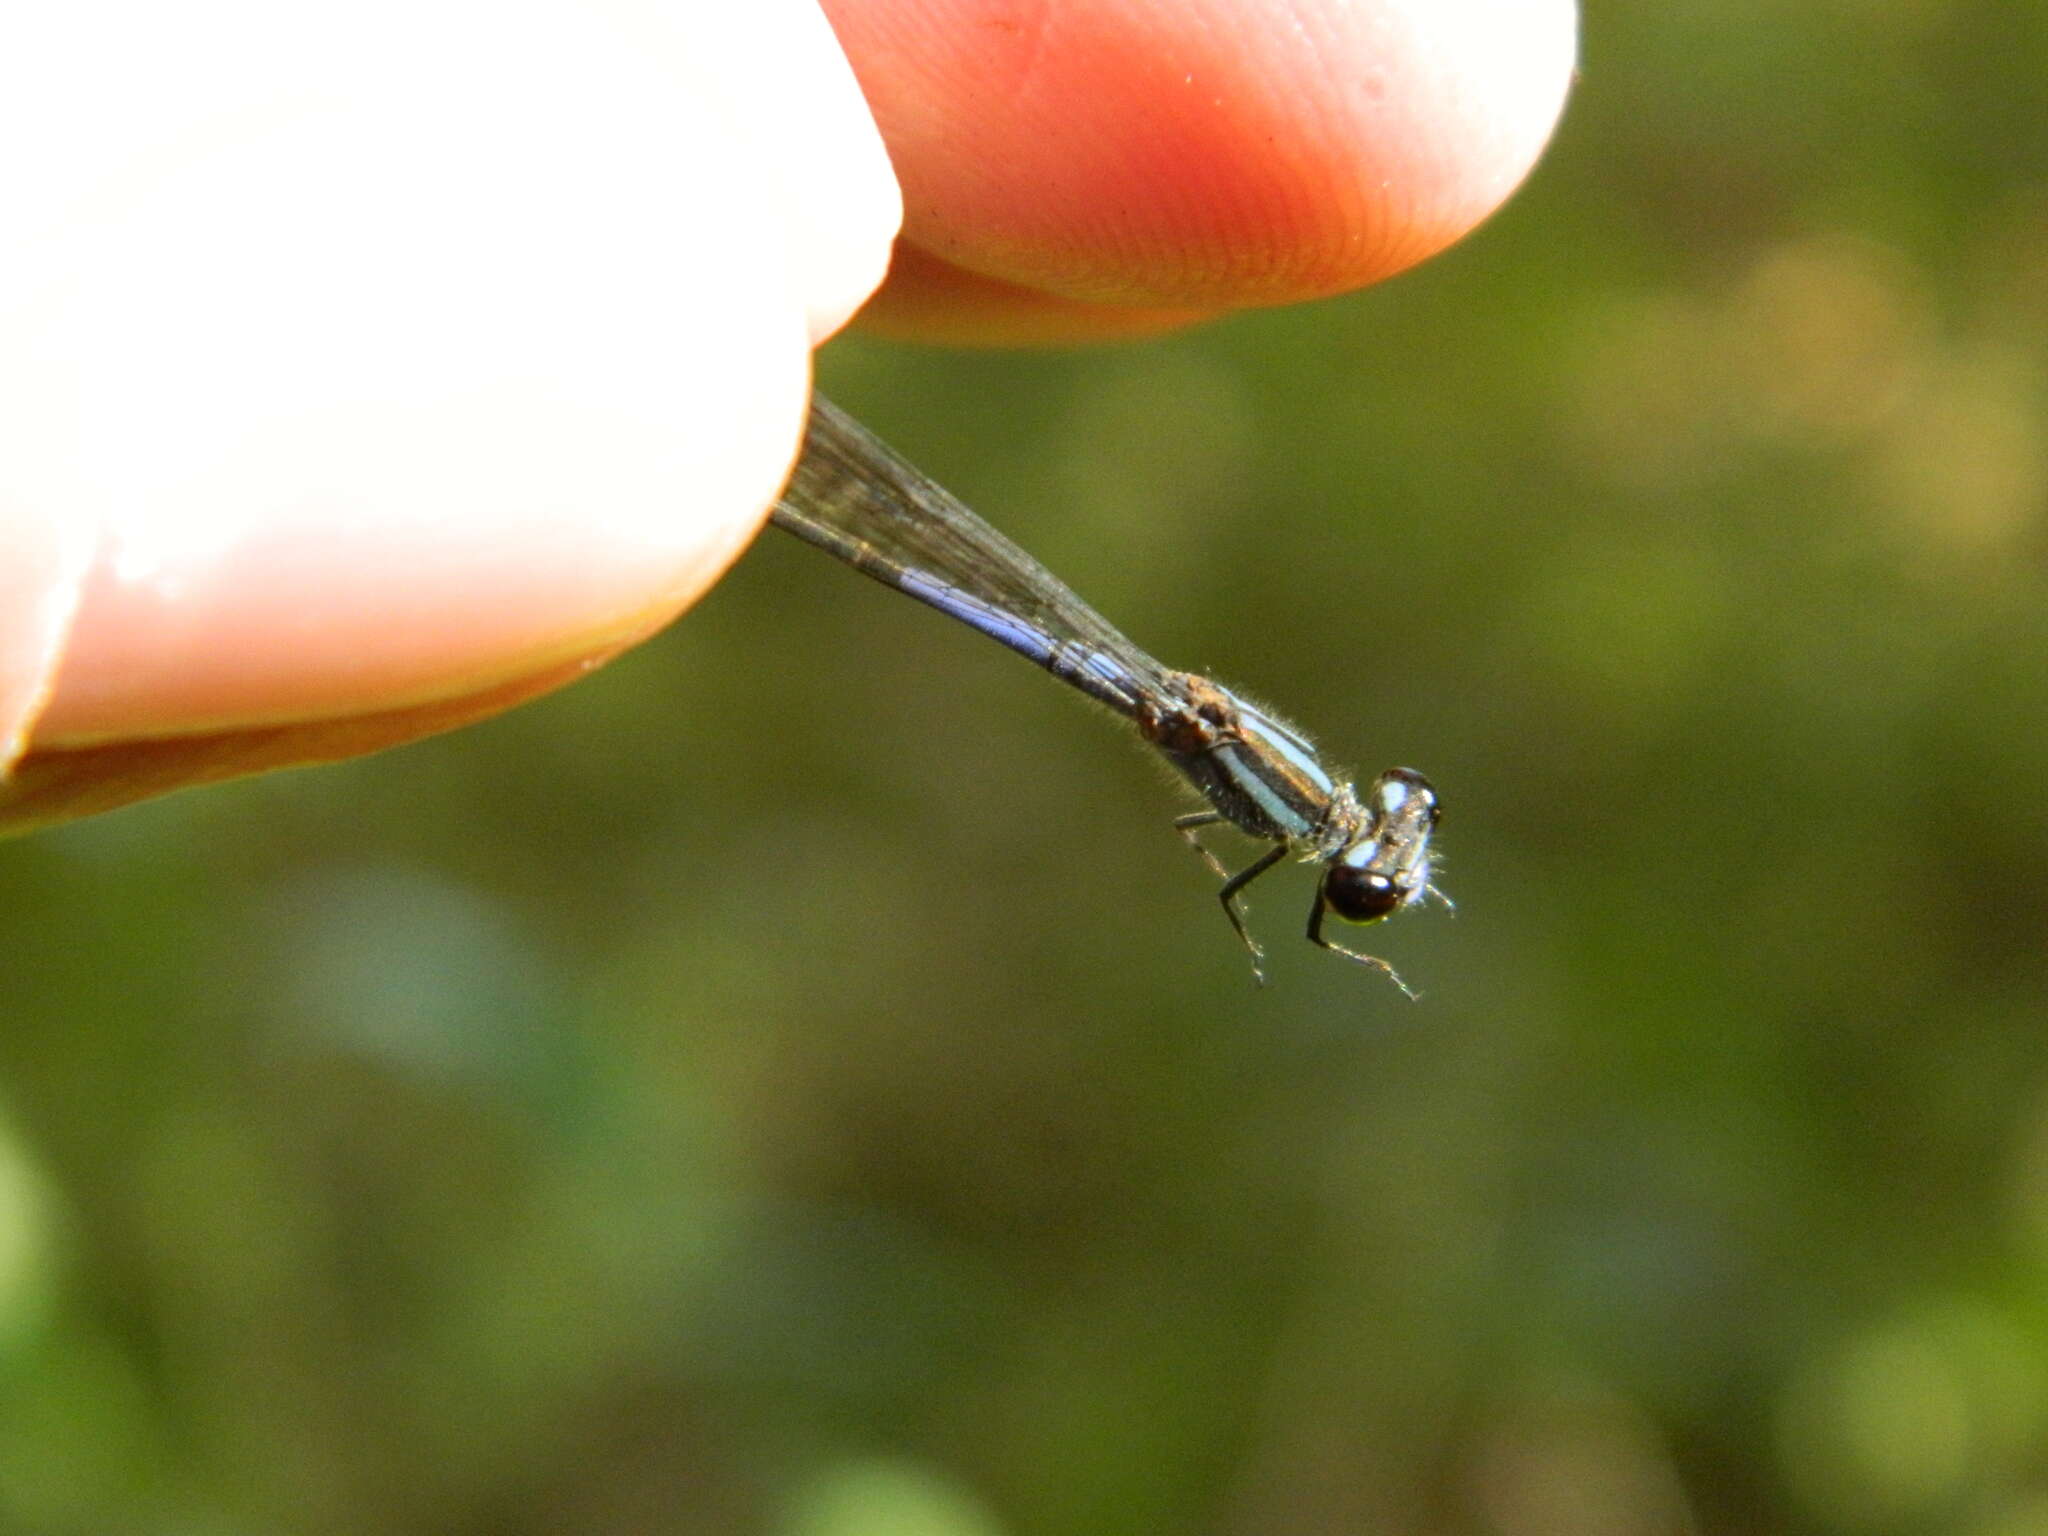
[(367, 398), (1211, 154), (834, 188), (375, 402), (42, 582), (929, 300), (442, 557)]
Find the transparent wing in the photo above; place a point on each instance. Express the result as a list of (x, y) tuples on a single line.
[(852, 496)]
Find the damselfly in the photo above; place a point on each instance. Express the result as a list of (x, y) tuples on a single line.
[(853, 497)]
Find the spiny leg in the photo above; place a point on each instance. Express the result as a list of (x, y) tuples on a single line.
[(1315, 937), (1186, 827), (1232, 884), (1228, 896)]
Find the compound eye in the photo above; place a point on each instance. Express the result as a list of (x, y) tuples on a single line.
[(1401, 790), (1361, 896)]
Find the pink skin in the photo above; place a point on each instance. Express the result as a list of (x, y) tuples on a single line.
[(353, 396)]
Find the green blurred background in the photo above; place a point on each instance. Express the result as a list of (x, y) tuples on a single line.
[(794, 1082)]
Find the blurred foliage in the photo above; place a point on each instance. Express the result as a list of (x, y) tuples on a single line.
[(795, 1083)]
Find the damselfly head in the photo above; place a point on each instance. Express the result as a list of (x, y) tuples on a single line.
[(1387, 867)]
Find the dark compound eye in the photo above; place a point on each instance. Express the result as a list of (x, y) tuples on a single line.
[(1401, 791), (1361, 896)]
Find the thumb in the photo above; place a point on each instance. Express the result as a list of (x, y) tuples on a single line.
[(366, 382)]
